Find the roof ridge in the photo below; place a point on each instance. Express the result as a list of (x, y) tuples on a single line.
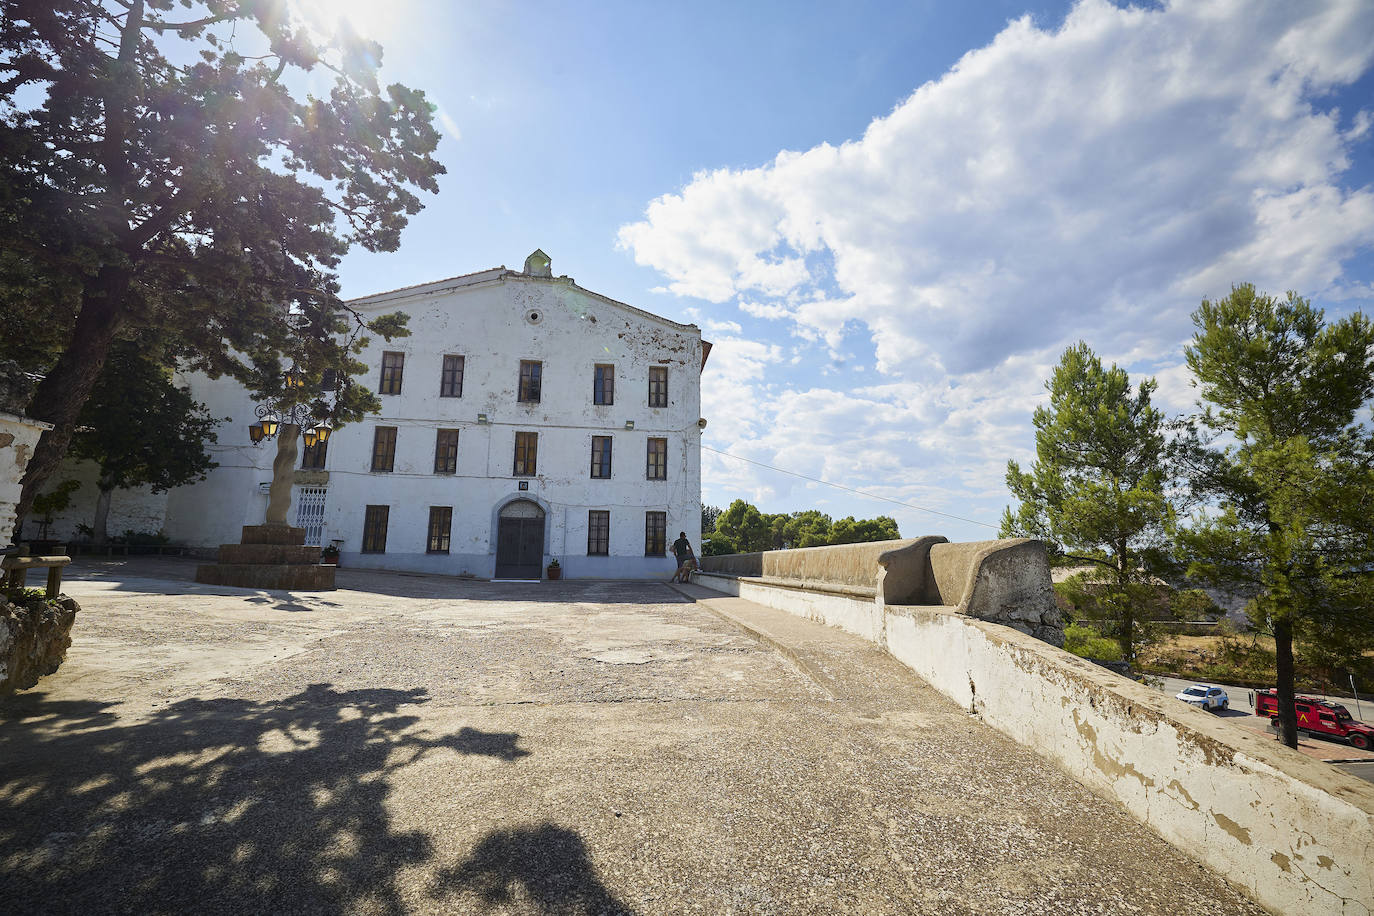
[(401, 289)]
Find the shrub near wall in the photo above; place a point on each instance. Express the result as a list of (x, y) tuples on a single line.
[(35, 634)]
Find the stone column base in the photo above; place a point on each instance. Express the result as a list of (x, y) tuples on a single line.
[(270, 556)]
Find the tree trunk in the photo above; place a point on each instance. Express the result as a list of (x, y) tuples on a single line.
[(1283, 651), (102, 515), (283, 475), (64, 390), (1126, 633)]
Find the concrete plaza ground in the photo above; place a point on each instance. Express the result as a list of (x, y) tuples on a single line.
[(414, 744)]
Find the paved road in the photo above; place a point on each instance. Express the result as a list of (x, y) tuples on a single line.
[(1333, 750), (413, 744), (1240, 696)]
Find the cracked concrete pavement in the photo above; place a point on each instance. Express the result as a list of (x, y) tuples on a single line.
[(413, 744)]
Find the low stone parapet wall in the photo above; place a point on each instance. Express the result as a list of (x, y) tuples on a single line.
[(1296, 834), (851, 565), (1007, 581)]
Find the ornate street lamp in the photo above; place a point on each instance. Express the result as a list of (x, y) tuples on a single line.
[(287, 419)]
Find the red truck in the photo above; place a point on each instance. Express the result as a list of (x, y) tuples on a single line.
[(1317, 717)]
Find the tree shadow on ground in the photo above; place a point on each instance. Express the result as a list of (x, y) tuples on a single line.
[(544, 867), (221, 805)]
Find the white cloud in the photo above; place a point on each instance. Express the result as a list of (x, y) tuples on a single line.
[(1094, 181), (1051, 183), (722, 327)]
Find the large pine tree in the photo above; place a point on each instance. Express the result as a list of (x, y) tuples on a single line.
[(1096, 492), (1280, 455), (162, 167)]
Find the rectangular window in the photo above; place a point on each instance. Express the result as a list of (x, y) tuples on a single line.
[(526, 453), (451, 379), (657, 465), (446, 452), (384, 448), (392, 363), (374, 529), (598, 533), (658, 386), (601, 456), (603, 385), (440, 527), (655, 533), (531, 374), (312, 458)]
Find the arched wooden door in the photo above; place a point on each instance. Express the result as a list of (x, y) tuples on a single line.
[(520, 541)]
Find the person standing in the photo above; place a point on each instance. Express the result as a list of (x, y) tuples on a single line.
[(682, 550)]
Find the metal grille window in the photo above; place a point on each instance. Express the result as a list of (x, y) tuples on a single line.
[(384, 448), (655, 533), (440, 527), (446, 452), (657, 464), (658, 386), (603, 385), (526, 452), (601, 456), (598, 533), (312, 458), (392, 364), (531, 374), (451, 379), (310, 514), (374, 529)]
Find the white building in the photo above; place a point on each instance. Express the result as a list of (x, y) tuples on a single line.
[(524, 419)]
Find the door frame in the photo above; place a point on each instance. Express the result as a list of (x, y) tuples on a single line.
[(495, 533)]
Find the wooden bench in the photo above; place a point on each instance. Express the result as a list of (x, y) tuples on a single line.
[(16, 571)]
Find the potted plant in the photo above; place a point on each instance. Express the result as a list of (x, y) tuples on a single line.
[(555, 571), (329, 556)]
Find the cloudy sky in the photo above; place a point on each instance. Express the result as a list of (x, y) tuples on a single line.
[(891, 219)]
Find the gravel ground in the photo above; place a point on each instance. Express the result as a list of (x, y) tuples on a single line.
[(413, 744)]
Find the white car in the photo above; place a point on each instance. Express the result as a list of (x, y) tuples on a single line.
[(1205, 697)]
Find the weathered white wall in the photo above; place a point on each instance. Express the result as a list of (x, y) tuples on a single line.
[(860, 616), (1298, 835), (486, 318), (18, 436), (134, 509)]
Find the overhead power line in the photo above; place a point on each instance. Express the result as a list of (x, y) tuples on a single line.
[(889, 499)]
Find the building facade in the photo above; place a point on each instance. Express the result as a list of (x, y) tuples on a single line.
[(524, 420)]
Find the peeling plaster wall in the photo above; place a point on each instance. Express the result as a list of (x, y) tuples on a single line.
[(1296, 834), (18, 436)]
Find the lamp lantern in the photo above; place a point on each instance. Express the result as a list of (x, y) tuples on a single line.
[(322, 431), (255, 432), (294, 379), (310, 437), (269, 425)]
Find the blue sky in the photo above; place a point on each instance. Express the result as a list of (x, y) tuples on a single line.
[(892, 218)]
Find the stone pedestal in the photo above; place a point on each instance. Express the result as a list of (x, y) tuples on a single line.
[(270, 556)]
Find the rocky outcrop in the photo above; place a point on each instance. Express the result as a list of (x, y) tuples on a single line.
[(34, 637)]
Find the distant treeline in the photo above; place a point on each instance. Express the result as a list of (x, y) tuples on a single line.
[(742, 528)]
